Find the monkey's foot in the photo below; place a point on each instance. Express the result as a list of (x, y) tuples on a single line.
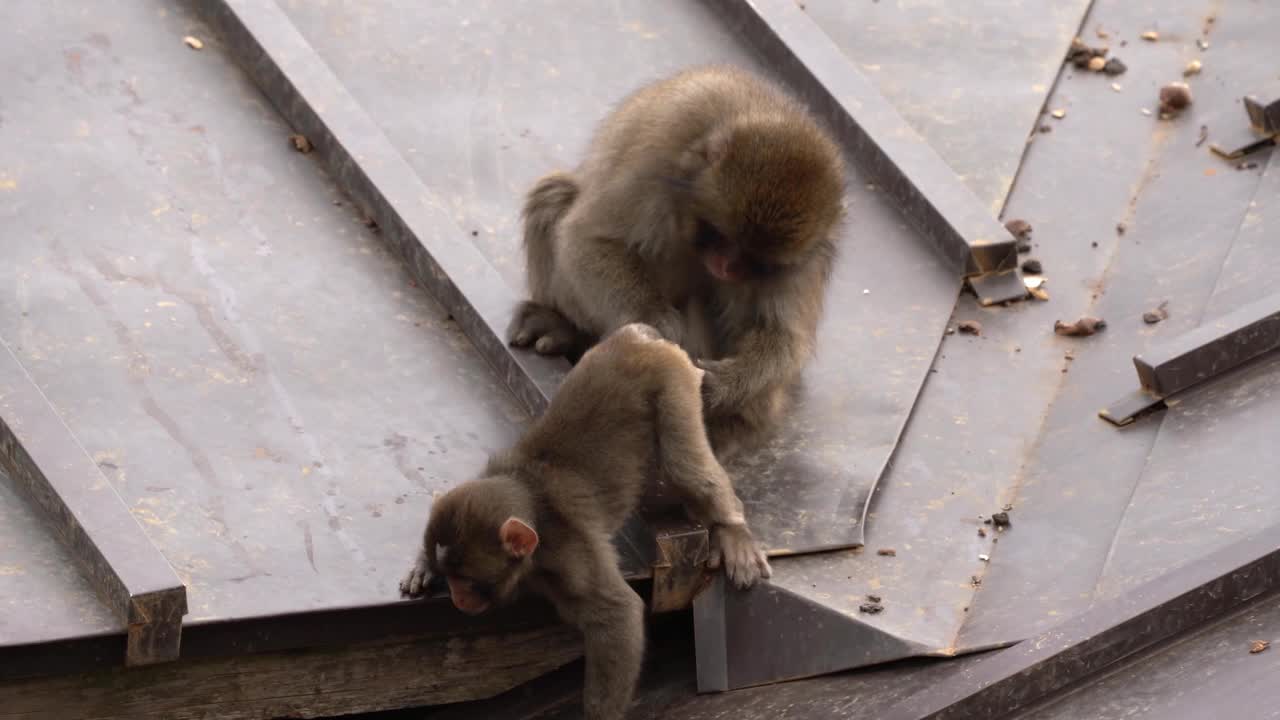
[(549, 332), (744, 561), (415, 581)]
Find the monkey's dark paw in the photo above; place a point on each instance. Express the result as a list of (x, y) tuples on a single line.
[(549, 332), (745, 563), (717, 383), (416, 580), (670, 324)]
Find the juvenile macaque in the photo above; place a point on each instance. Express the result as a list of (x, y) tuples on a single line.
[(542, 515), (707, 199)]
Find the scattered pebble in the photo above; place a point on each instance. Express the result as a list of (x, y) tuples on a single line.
[(1258, 646), (193, 42), (887, 552), (1120, 228), (1085, 57), (1116, 87), (1020, 229), (1151, 36), (984, 558), (1174, 98), (1202, 44), (1000, 519), (1114, 66), (1250, 165), (969, 327), (1146, 111), (1046, 128), (974, 580), (301, 143), (982, 533), (1032, 267), (866, 291), (1204, 135), (1192, 68), (870, 608), (873, 598), (1153, 316), (1083, 327), (950, 331), (1036, 290), (1059, 113)]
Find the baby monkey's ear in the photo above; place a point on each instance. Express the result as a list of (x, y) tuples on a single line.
[(518, 539)]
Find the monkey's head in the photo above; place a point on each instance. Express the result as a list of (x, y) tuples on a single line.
[(475, 542), (766, 191)]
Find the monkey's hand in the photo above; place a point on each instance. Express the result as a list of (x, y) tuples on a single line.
[(744, 561), (721, 387), (549, 332), (416, 580), (670, 323)]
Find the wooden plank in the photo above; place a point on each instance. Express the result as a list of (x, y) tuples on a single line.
[(301, 684), (50, 467)]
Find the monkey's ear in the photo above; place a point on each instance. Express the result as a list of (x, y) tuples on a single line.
[(707, 150), (518, 539)]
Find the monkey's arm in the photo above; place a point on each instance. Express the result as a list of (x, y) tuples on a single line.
[(615, 287), (763, 358), (416, 580), (590, 593)]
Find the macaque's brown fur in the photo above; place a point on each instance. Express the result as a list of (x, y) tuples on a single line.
[(542, 514), (709, 199)]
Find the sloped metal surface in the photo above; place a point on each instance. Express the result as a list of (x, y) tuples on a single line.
[(971, 77), (1101, 508), (252, 371)]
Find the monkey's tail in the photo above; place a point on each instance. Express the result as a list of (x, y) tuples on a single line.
[(544, 207)]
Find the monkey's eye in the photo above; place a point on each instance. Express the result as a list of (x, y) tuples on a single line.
[(755, 267), (707, 236)]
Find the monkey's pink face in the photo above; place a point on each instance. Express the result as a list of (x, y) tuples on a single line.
[(466, 596), (727, 260)]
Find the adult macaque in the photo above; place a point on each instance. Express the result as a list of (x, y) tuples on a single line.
[(542, 514), (707, 198)]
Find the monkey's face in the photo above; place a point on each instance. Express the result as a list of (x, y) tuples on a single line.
[(770, 194), (481, 560)]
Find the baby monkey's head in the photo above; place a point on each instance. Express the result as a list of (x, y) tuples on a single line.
[(478, 542), (770, 193)]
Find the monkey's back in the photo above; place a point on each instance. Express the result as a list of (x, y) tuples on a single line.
[(599, 432)]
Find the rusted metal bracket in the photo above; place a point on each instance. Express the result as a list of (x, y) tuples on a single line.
[(1264, 129), (1214, 348), (927, 191), (679, 570), (59, 478)]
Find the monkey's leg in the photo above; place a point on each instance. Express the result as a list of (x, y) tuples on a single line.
[(694, 471), (548, 331), (749, 426), (544, 207), (613, 286)]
